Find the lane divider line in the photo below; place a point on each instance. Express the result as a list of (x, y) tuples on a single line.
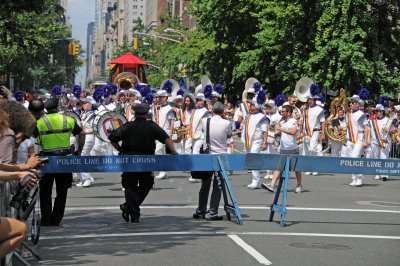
[(242, 208), (249, 249), (216, 233)]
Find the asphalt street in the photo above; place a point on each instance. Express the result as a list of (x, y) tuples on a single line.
[(330, 223)]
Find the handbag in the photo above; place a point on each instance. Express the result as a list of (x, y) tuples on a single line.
[(204, 174)]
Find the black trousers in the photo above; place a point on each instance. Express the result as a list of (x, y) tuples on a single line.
[(137, 187), (204, 192), (53, 215)]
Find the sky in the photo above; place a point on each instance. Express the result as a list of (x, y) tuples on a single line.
[(81, 12)]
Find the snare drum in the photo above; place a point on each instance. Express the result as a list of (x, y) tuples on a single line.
[(105, 122), (74, 116)]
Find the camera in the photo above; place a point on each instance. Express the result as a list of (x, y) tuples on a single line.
[(24, 196), (44, 160)]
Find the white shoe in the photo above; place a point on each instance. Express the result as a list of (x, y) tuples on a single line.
[(193, 180), (353, 184), (268, 176), (307, 173), (161, 175), (358, 182), (314, 173), (377, 177), (87, 183), (79, 184), (254, 186), (91, 180)]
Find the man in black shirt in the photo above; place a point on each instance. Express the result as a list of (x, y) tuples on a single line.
[(138, 137)]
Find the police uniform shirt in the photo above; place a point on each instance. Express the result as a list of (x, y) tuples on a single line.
[(138, 137), (75, 131)]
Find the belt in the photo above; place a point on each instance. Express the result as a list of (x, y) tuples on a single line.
[(56, 152), (316, 129)]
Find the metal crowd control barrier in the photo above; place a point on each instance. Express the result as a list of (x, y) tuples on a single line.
[(224, 162)]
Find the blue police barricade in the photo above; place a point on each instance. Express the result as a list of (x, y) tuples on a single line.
[(221, 163)]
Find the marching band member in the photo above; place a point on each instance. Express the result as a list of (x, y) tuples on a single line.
[(19, 96), (87, 126), (292, 101), (379, 136), (338, 125), (165, 119), (100, 147), (133, 96), (274, 117), (178, 110), (314, 120), (255, 133), (189, 107), (122, 101), (195, 126), (109, 92), (154, 106), (356, 139), (244, 108)]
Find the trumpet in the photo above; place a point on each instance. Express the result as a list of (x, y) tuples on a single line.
[(179, 132)]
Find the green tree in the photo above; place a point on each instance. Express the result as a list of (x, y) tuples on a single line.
[(33, 46)]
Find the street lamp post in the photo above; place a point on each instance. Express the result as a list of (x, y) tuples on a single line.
[(170, 30), (157, 36)]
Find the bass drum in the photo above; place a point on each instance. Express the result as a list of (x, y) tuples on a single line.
[(74, 116), (105, 122)]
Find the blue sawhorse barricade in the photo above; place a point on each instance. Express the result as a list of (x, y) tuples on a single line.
[(220, 163)]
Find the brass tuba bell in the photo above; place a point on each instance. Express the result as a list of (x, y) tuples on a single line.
[(204, 82), (302, 88), (126, 80), (249, 84)]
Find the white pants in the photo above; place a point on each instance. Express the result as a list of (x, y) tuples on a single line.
[(311, 145), (355, 151), (179, 147), (378, 153), (197, 143), (336, 148), (101, 148), (89, 143), (160, 150), (188, 146), (255, 147)]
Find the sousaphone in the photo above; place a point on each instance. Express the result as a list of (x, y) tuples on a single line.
[(204, 82), (126, 80), (302, 88), (249, 84)]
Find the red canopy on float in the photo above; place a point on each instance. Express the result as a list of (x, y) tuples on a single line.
[(128, 60)]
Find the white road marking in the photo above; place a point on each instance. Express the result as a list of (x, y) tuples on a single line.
[(249, 249), (221, 233), (86, 208)]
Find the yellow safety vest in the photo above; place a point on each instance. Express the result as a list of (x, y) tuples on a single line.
[(55, 131)]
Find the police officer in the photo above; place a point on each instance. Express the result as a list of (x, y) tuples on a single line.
[(138, 137), (53, 132)]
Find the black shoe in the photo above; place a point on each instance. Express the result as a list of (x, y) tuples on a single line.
[(214, 217), (198, 215), (125, 216), (135, 220), (384, 178)]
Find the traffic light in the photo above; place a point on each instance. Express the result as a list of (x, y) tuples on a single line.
[(76, 49), (135, 43), (71, 48)]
